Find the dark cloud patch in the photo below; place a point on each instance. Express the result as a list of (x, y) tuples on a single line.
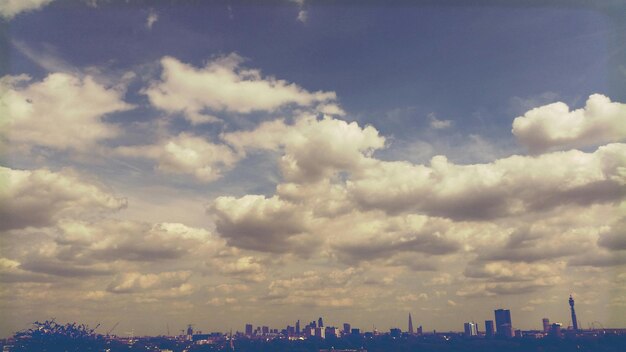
[(64, 269), (615, 238), (432, 244)]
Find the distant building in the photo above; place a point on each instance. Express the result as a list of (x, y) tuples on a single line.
[(546, 325), (395, 332), (574, 321), (346, 328), (555, 330), (504, 327), (265, 330), (470, 328), (355, 331), (419, 330), (489, 330), (248, 329), (411, 325), (332, 332), (298, 327), (319, 332), (320, 322)]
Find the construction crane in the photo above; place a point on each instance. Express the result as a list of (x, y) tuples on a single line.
[(113, 328)]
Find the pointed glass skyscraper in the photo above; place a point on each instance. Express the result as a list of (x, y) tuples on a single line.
[(410, 324)]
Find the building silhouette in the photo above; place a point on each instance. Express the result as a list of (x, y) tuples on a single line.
[(320, 322), (470, 329), (504, 327), (489, 330), (411, 331), (571, 306), (249, 329), (546, 325), (346, 328)]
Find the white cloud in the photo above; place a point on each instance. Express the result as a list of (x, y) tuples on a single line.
[(313, 149), (555, 126), (40, 197), (151, 19), (302, 16), (186, 154), (11, 8), (223, 85), (505, 187), (133, 282), (438, 124), (63, 111)]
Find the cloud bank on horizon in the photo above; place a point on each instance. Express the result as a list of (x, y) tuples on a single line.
[(216, 193)]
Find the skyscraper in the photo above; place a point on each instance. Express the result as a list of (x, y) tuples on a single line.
[(346, 328), (574, 321), (546, 325), (320, 322), (471, 329), (298, 327), (248, 329), (504, 328), (410, 325), (489, 332)]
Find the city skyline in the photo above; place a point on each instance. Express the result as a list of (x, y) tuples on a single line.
[(219, 163)]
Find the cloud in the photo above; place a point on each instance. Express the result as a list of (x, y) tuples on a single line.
[(186, 154), (63, 111), (244, 268), (11, 8), (41, 197), (438, 124), (614, 238), (222, 85), (312, 148), (151, 19), (113, 240), (258, 223), (134, 282), (554, 126), (506, 187)]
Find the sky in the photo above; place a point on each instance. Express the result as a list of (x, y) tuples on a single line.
[(165, 163)]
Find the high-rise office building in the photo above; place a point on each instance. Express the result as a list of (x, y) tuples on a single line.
[(410, 325), (346, 328), (248, 329), (574, 321), (298, 327), (320, 322), (470, 328), (546, 325), (489, 331), (504, 327)]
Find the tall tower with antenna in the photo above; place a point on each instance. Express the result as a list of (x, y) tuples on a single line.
[(574, 321), (410, 325)]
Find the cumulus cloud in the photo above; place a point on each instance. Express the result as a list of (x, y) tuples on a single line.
[(112, 240), (245, 268), (554, 126), (11, 8), (223, 85), (41, 197), (312, 148), (186, 154), (134, 282), (258, 223), (505, 187), (63, 111)]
